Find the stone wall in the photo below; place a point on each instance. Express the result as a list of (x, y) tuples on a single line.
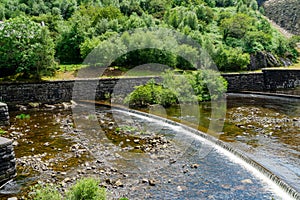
[(7, 161), (4, 116), (96, 89), (64, 91), (281, 78), (245, 81)]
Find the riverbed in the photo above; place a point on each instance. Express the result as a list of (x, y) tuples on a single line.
[(138, 157)]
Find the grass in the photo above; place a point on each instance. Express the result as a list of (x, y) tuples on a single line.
[(65, 72), (70, 68), (23, 116), (69, 72)]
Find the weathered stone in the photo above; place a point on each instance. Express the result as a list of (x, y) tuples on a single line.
[(7, 160), (285, 13), (118, 183), (247, 181), (12, 198), (266, 59), (4, 116)]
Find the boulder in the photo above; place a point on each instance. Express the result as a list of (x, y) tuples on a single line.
[(263, 59)]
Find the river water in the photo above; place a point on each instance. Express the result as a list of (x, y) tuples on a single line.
[(60, 145), (265, 128)]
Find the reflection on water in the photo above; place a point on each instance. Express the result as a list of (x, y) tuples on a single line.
[(293, 91)]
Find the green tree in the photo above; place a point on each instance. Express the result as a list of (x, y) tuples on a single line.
[(257, 41), (236, 26), (231, 59), (25, 48), (68, 46)]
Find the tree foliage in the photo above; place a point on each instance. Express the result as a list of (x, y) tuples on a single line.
[(26, 48), (230, 30)]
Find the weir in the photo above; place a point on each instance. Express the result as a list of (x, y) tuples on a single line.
[(279, 186)]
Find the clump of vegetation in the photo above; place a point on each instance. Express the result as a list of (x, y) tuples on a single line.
[(126, 128), (2, 132), (46, 192), (187, 88), (150, 93), (86, 189), (92, 117), (23, 116)]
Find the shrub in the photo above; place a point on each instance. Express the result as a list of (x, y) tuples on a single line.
[(86, 189), (150, 93), (45, 193), (201, 85), (232, 59)]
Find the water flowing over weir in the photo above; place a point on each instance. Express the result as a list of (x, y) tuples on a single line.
[(233, 154), (208, 142)]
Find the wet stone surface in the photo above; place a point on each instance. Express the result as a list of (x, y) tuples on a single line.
[(132, 156)]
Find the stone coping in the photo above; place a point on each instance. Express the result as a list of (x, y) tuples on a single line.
[(280, 69), (4, 142), (2, 104), (79, 80)]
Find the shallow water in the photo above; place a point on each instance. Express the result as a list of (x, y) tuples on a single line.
[(215, 176), (263, 127)]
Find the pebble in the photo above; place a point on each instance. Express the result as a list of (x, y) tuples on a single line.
[(195, 166), (47, 144), (12, 198), (179, 189), (152, 182), (15, 143), (247, 181), (144, 180), (118, 183)]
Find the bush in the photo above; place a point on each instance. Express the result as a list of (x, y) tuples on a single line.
[(231, 59), (150, 93), (23, 116), (86, 189), (45, 193), (196, 86)]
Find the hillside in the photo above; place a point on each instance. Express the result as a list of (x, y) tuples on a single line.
[(285, 13), (234, 33)]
